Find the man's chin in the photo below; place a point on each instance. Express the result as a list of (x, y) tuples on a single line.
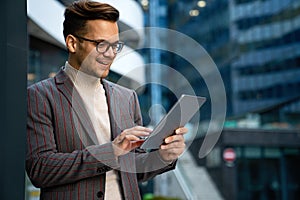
[(104, 74)]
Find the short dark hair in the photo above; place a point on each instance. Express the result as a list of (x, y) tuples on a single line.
[(79, 12)]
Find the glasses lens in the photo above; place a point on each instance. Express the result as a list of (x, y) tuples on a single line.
[(102, 47), (118, 47)]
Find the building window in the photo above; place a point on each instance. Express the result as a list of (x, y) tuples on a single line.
[(34, 67), (268, 173)]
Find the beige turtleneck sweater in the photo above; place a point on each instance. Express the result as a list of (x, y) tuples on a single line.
[(93, 95)]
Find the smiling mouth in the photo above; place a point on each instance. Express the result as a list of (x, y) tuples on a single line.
[(106, 63)]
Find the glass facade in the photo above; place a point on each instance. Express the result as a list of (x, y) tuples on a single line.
[(267, 173), (207, 22), (255, 45), (44, 60), (265, 73)]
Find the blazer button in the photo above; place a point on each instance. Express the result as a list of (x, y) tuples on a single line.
[(108, 168), (100, 194), (99, 170)]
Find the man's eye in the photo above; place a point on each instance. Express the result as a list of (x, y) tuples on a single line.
[(102, 44)]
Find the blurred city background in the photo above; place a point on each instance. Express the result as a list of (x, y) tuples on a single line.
[(256, 46)]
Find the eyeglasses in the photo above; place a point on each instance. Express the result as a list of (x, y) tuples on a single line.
[(102, 46)]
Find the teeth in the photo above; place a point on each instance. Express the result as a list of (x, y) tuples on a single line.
[(103, 62), (106, 62)]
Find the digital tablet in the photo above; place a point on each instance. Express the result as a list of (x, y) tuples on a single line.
[(182, 111)]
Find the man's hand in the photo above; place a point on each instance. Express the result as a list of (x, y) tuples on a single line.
[(174, 145), (129, 140)]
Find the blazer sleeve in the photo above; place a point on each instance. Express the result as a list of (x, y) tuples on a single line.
[(45, 165), (150, 164)]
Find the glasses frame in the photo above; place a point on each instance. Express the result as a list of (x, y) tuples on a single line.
[(97, 42)]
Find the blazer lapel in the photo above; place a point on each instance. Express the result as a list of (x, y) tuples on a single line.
[(128, 176), (112, 108), (66, 87), (127, 162), (120, 109)]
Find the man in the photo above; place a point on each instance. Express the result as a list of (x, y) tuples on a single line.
[(83, 132)]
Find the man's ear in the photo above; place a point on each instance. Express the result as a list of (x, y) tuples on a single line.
[(71, 43)]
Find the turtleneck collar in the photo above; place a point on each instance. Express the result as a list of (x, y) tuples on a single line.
[(82, 80)]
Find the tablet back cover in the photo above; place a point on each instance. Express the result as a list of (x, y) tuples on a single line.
[(182, 111)]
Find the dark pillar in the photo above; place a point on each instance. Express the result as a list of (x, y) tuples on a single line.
[(229, 180), (13, 70)]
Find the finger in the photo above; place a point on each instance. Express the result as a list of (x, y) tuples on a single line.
[(132, 138), (128, 143), (121, 138), (142, 128), (136, 144), (139, 134), (137, 131), (181, 130), (174, 138), (174, 145)]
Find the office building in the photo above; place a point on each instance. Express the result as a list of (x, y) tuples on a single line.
[(255, 45), (266, 69)]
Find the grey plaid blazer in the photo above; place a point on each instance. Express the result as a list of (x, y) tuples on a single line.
[(63, 156)]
